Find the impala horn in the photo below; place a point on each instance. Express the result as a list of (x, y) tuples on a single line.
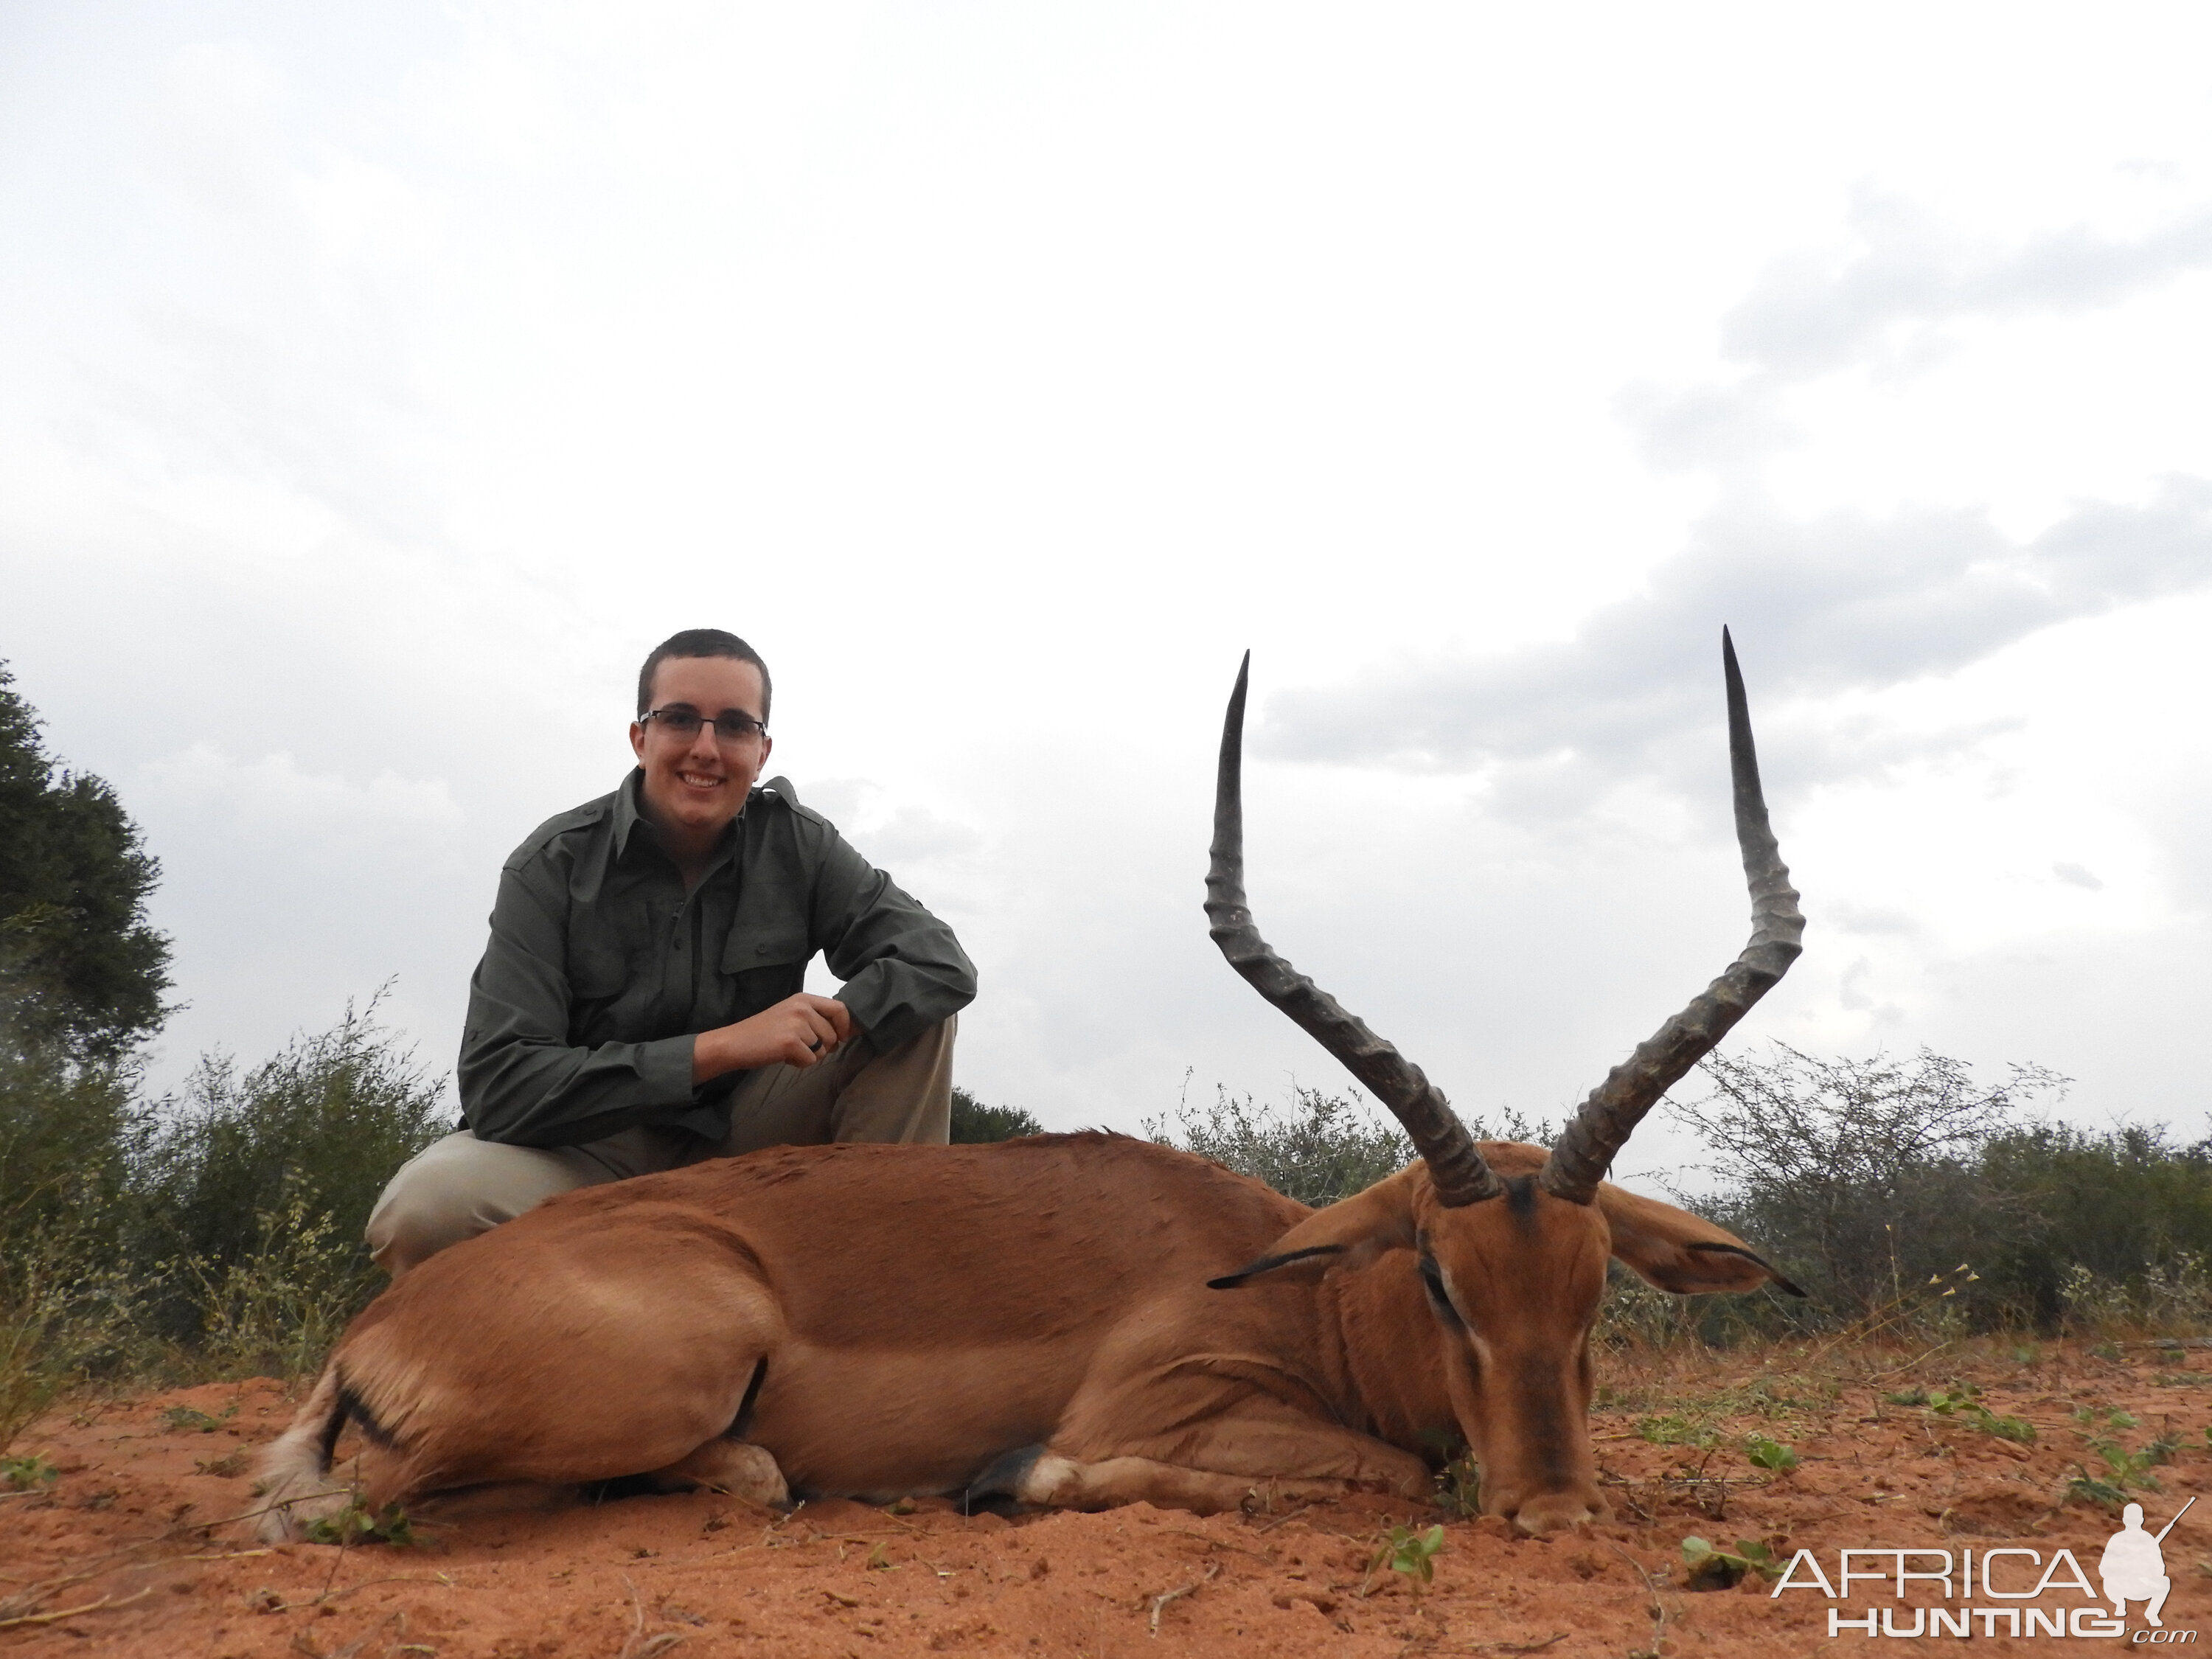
[(1601, 1127), (1456, 1168)]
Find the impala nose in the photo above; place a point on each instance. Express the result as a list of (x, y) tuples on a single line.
[(1558, 1511)]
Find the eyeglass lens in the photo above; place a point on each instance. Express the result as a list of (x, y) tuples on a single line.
[(686, 722)]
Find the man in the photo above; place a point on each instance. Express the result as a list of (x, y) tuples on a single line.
[(639, 1006)]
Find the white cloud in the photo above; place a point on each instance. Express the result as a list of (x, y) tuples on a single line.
[(1003, 372), (273, 797)]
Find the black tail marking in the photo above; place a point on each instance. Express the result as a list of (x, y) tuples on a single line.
[(353, 1408), (741, 1426)]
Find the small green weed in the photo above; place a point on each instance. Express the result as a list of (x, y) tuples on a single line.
[(2122, 1469), (1459, 1487), (1675, 1428), (1709, 1568), (1769, 1454), (189, 1420), (27, 1474), (1413, 1553), (1963, 1400), (355, 1525)]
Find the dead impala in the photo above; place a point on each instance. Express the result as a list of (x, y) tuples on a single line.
[(1077, 1320)]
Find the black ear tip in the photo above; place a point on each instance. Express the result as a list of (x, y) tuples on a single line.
[(1226, 1282)]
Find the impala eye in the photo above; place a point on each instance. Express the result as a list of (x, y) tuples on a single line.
[(1432, 1280)]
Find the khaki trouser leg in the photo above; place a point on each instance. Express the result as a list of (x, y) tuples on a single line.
[(901, 1096), (461, 1186)]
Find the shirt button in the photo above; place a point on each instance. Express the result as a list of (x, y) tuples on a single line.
[(760, 949)]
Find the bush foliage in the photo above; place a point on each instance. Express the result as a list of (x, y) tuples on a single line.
[(215, 1233)]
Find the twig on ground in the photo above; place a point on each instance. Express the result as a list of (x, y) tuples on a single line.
[(1160, 1602), (1216, 1543), (1658, 1608), (106, 1603), (329, 1599), (1518, 1647), (1270, 1527)]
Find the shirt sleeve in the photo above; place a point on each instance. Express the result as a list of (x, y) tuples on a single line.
[(903, 969), (521, 1082)]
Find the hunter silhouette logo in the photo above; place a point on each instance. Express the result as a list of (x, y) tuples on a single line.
[(2134, 1566)]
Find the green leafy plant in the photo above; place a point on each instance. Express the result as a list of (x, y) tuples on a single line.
[(189, 1420), (1413, 1553), (1766, 1454), (1707, 1567), (27, 1474), (1458, 1486), (2119, 1470), (1676, 1428), (354, 1524), (1962, 1402)]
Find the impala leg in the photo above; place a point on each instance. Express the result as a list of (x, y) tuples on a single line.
[(1061, 1483), (1259, 1446), (736, 1467)]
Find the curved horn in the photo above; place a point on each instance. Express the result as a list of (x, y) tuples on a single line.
[(1586, 1148), (1456, 1168)]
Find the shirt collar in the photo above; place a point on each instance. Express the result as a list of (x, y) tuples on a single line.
[(629, 816)]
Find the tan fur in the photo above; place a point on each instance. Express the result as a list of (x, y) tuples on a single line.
[(923, 1313)]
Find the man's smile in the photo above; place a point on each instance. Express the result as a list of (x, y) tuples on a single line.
[(702, 780)]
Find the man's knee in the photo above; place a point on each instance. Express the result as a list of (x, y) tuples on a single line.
[(454, 1189)]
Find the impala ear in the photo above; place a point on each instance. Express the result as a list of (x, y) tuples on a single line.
[(1348, 1233), (1681, 1252)]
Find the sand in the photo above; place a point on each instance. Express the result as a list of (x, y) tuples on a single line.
[(133, 1549)]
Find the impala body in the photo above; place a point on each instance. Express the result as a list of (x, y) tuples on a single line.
[(1077, 1321)]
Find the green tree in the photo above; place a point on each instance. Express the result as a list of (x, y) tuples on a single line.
[(78, 962)]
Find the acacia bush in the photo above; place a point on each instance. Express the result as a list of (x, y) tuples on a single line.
[(975, 1123), (1870, 1181), (1320, 1148), (216, 1233), (313, 1132)]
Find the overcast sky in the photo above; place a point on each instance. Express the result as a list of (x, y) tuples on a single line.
[(379, 383)]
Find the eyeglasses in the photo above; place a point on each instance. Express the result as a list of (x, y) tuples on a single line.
[(684, 723)]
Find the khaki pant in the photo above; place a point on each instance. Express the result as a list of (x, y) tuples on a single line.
[(461, 1186)]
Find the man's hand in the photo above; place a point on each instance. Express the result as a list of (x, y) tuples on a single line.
[(798, 1031)]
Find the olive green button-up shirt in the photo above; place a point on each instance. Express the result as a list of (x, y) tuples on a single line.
[(600, 969)]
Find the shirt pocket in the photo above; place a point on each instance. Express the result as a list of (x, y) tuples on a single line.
[(764, 965)]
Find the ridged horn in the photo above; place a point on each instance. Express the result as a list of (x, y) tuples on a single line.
[(1456, 1168), (1601, 1126)]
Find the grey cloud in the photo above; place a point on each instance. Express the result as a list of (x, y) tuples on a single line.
[(1809, 314), (1846, 602), (2075, 875), (1875, 920)]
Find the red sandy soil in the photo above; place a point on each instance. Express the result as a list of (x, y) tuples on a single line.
[(127, 1552)]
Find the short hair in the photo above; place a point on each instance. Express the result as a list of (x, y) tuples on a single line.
[(702, 642)]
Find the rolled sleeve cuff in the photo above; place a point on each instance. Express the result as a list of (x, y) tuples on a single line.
[(664, 1071)]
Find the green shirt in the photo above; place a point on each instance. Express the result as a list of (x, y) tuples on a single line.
[(600, 969)]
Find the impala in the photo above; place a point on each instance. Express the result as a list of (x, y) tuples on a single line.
[(1077, 1320)]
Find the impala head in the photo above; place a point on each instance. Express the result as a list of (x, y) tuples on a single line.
[(1511, 1241)]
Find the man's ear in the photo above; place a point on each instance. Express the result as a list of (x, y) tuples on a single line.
[(1678, 1251), (1348, 1233)]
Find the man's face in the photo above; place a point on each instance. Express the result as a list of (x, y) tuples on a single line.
[(699, 783)]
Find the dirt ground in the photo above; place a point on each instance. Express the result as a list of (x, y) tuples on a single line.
[(127, 1552)]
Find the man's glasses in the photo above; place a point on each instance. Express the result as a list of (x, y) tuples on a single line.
[(684, 723)]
